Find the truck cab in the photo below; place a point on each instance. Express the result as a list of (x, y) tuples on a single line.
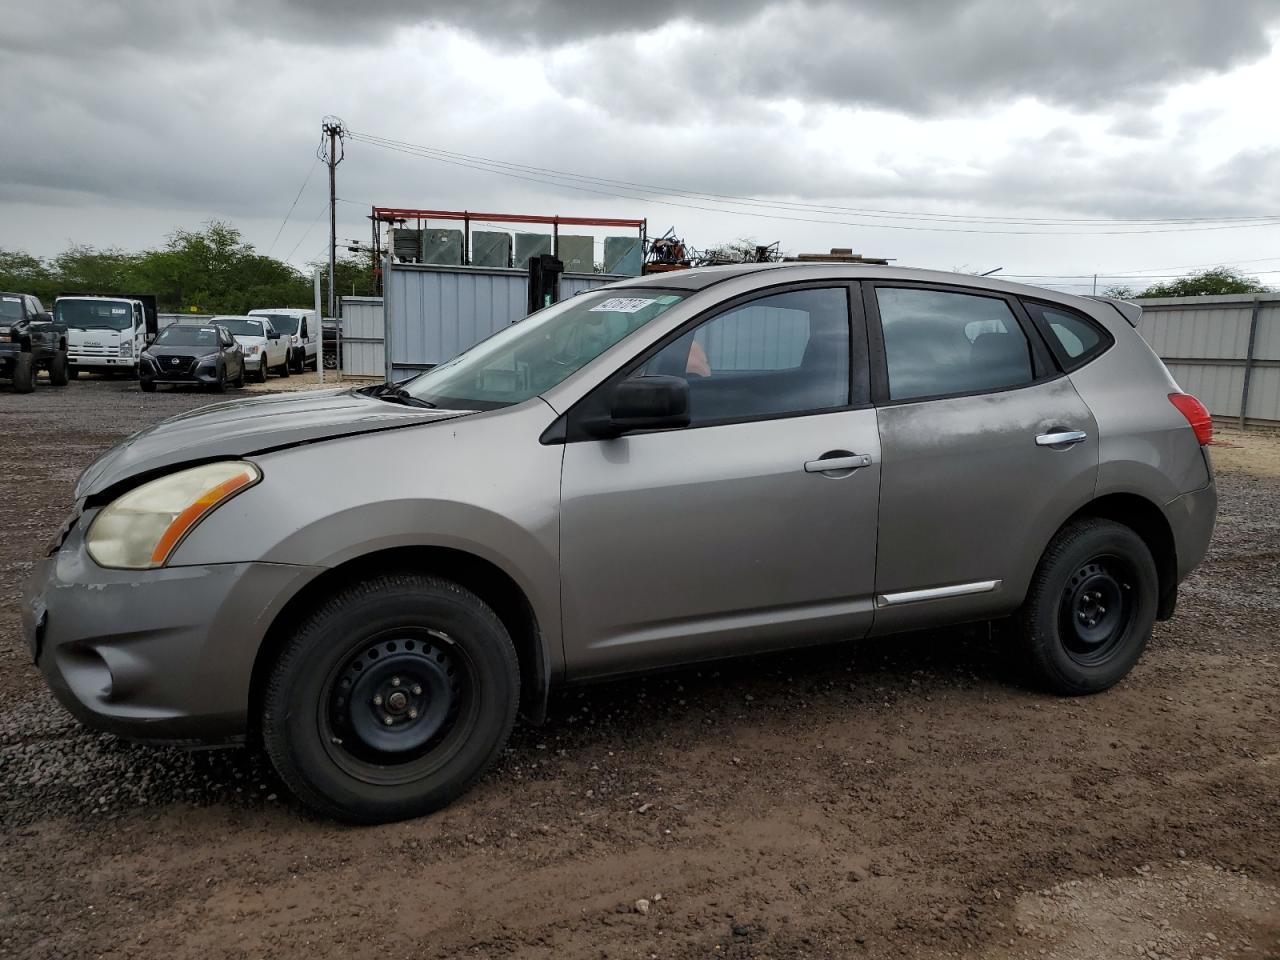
[(106, 333), (300, 329)]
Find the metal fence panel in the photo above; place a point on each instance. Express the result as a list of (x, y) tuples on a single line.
[(437, 312), (363, 351), (1205, 342)]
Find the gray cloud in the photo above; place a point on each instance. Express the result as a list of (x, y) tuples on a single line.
[(212, 109)]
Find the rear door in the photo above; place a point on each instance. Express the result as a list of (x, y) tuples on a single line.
[(729, 536), (986, 449)]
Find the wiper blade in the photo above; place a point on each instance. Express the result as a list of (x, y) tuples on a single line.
[(394, 393)]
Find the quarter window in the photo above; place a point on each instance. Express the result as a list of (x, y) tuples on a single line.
[(782, 354), (937, 342), (1075, 338)]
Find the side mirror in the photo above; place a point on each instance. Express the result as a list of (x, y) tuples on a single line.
[(274, 335), (45, 317), (645, 403)]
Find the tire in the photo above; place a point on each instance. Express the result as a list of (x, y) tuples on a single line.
[(58, 369), (300, 362), (24, 374), (238, 382), (283, 369), (1090, 609), (329, 724), (221, 385), (261, 376), (148, 386), (73, 373)]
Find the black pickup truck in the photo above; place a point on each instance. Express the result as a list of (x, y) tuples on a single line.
[(30, 341)]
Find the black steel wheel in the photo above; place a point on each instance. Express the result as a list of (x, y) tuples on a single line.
[(391, 699), (1090, 608), (1096, 609)]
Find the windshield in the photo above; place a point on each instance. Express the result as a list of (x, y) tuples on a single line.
[(94, 314), (188, 336), (10, 308), (243, 327), (283, 322), (533, 355)]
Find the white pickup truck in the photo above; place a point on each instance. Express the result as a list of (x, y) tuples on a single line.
[(106, 333), (300, 329)]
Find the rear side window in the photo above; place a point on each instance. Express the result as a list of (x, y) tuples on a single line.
[(1074, 339), (938, 343)]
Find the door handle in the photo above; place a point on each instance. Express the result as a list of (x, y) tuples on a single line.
[(834, 464), (1061, 438)]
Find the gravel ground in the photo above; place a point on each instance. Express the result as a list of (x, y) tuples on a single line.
[(903, 797)]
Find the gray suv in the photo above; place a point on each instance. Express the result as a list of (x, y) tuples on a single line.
[(662, 471)]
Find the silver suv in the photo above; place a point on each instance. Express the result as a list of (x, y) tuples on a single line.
[(666, 470)]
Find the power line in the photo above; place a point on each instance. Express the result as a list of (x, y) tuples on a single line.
[(633, 191), (307, 231), (307, 179)]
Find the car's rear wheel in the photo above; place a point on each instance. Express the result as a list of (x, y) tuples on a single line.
[(1090, 609), (58, 368), (24, 373), (391, 699)]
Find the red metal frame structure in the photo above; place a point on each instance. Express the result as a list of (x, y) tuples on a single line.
[(391, 215)]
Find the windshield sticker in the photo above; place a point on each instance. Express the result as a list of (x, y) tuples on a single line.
[(11, 299), (622, 305), (119, 311)]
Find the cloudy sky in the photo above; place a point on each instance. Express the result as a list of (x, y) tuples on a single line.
[(1048, 137)]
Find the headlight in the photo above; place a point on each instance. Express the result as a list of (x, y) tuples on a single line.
[(142, 528), (295, 341), (251, 351), (126, 349)]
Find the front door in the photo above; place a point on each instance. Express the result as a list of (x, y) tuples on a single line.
[(731, 535), (973, 486)]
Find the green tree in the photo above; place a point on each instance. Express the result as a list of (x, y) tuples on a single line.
[(22, 273), (1120, 292), (1218, 280), (353, 278)]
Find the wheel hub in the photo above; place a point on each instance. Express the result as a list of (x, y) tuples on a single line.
[(1095, 610), (395, 698)]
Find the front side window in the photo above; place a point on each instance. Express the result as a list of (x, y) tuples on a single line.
[(937, 342), (782, 354), (538, 352)]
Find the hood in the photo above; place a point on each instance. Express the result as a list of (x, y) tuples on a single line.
[(243, 427), (248, 341)]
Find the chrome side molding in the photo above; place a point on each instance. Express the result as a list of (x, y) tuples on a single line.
[(936, 593)]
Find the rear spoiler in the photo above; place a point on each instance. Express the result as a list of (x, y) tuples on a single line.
[(1126, 308)]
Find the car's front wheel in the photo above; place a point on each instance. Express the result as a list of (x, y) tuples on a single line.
[(262, 369), (391, 699), (1090, 609)]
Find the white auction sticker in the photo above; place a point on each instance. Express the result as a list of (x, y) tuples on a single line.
[(622, 305), (11, 299)]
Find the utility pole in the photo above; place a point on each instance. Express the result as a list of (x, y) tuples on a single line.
[(336, 133)]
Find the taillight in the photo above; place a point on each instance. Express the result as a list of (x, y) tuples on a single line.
[(1196, 413)]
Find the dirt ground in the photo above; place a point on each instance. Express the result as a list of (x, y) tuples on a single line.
[(904, 797)]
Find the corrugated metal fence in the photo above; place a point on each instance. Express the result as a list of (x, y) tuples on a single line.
[(1225, 350), (436, 312)]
